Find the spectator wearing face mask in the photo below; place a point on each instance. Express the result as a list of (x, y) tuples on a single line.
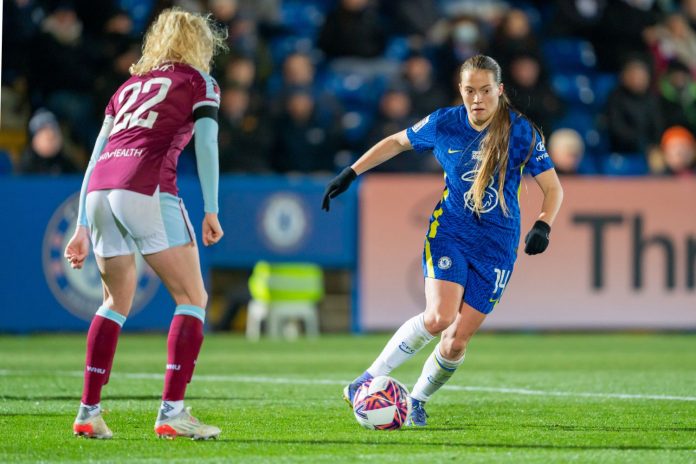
[(513, 36), (465, 40)]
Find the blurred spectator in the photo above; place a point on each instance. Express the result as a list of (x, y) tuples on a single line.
[(677, 97), (62, 69), (299, 73), (352, 29), (116, 73), (465, 40), (419, 20), (244, 138), (677, 153), (566, 149), (425, 94), (530, 93), (20, 24), (633, 115), (577, 18), (44, 154), (304, 142), (514, 35), (620, 31), (688, 9), (673, 39), (240, 72), (243, 36), (394, 116)]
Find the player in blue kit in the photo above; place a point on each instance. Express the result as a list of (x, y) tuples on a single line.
[(471, 243)]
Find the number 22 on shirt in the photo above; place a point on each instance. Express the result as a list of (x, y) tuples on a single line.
[(127, 120)]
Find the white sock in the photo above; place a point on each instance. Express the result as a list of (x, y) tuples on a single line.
[(171, 408), (406, 342), (90, 409), (436, 372)]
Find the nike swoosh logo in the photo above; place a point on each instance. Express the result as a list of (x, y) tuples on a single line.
[(491, 300), (453, 151)]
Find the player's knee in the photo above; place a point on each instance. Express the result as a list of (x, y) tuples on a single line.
[(435, 322), (198, 298), (121, 307), (453, 348), (203, 299)]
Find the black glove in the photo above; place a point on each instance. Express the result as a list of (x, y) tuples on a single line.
[(338, 185), (537, 239)]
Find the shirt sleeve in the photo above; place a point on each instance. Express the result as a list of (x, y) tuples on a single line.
[(539, 161), (206, 91), (110, 111), (422, 134)]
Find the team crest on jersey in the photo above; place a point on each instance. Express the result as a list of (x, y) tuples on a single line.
[(490, 195), (419, 125), (80, 291), (444, 263)]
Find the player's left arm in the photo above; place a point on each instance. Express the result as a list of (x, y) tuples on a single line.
[(537, 239)]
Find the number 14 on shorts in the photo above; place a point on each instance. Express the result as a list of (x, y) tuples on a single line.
[(501, 279)]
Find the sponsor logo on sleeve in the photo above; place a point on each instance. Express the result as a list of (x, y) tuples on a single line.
[(419, 125)]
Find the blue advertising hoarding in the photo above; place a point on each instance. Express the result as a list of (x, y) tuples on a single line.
[(272, 218)]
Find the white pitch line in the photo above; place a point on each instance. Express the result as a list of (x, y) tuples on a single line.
[(300, 381)]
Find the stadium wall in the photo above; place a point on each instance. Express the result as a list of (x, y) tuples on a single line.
[(622, 255)]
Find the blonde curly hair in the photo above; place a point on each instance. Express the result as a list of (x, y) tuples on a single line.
[(181, 37)]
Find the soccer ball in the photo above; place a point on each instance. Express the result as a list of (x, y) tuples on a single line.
[(382, 403)]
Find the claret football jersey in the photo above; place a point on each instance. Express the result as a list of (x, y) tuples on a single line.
[(153, 122)]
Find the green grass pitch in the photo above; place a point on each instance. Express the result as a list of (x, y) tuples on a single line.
[(517, 398)]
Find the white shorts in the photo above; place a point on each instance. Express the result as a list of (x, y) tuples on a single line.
[(121, 221)]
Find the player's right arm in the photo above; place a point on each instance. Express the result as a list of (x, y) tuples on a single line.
[(421, 137), (78, 247), (382, 151)]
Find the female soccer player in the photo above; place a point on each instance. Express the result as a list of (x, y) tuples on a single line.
[(129, 201), (471, 243)]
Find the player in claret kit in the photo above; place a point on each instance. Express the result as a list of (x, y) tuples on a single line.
[(129, 202), (471, 243)]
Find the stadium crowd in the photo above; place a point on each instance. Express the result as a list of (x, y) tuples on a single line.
[(308, 85)]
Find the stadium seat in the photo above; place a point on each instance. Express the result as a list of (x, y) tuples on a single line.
[(570, 55), (5, 163), (582, 119), (282, 46), (302, 18), (397, 48), (354, 89), (625, 164), (356, 124), (281, 293), (603, 84), (574, 88)]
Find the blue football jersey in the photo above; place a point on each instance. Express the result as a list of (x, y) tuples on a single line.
[(492, 236)]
